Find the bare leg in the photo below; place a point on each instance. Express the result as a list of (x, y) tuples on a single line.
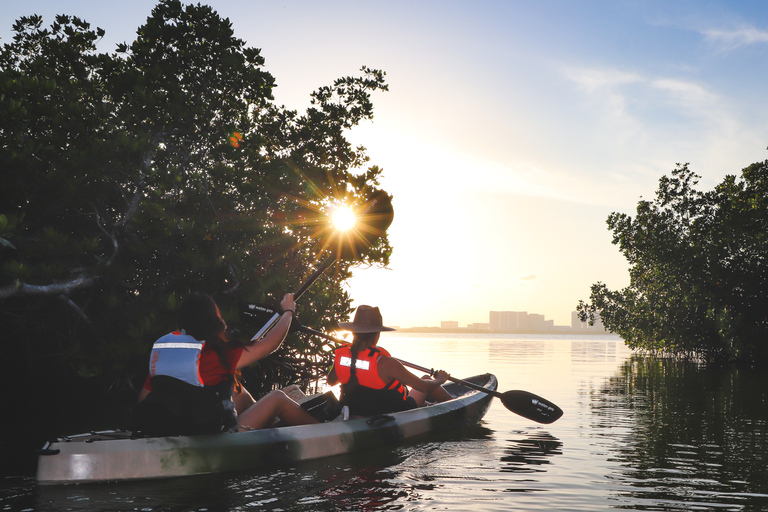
[(243, 400), (438, 395), (275, 404)]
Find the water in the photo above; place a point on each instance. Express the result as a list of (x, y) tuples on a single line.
[(637, 434)]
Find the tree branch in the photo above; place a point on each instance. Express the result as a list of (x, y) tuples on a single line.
[(20, 289)]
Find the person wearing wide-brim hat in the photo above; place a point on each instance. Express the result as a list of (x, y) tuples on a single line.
[(372, 381)]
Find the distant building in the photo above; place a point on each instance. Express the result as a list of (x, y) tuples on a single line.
[(508, 320), (598, 325), (449, 325), (536, 322), (522, 321), (579, 325), (479, 326), (575, 322)]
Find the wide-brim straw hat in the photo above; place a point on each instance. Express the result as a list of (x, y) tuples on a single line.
[(367, 319)]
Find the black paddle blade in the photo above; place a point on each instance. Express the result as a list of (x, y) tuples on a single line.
[(531, 406), (259, 312)]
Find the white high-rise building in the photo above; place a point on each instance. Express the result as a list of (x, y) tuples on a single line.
[(508, 320)]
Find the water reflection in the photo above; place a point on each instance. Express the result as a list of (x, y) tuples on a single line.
[(519, 348), (593, 351), (697, 439), (199, 493), (529, 452), (319, 487), (382, 479), (367, 491)]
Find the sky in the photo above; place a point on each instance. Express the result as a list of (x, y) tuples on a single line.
[(511, 130)]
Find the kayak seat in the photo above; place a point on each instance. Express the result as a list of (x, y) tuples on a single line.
[(323, 407)]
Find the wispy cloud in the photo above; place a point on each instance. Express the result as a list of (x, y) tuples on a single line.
[(609, 85), (686, 94), (736, 38), (592, 79), (529, 277), (619, 90)]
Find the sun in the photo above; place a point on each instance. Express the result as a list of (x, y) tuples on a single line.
[(343, 218)]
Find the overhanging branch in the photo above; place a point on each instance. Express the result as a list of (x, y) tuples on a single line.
[(20, 289)]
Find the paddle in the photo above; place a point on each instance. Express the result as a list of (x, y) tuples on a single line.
[(520, 402), (524, 403), (371, 222)]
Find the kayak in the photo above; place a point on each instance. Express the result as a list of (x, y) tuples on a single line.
[(117, 455)]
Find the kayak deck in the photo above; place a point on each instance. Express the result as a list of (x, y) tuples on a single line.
[(116, 455)]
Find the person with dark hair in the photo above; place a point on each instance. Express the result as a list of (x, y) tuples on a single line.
[(192, 386), (373, 382)]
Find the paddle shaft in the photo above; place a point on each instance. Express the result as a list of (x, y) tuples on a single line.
[(311, 279), (453, 379)]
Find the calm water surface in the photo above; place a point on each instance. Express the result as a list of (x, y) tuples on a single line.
[(637, 434)]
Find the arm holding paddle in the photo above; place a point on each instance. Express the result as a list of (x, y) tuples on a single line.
[(273, 339), (275, 404), (422, 388)]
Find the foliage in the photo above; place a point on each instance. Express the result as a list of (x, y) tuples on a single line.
[(698, 269), (129, 179)]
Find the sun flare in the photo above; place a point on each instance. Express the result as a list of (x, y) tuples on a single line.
[(343, 218)]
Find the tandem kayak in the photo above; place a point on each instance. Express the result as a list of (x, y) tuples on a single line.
[(116, 455)]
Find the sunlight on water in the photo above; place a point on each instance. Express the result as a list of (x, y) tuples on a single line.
[(637, 434)]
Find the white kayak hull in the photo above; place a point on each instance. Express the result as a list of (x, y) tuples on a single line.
[(115, 456)]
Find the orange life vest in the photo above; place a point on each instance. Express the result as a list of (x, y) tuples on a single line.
[(373, 395)]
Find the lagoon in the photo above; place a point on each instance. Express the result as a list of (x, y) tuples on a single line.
[(637, 433)]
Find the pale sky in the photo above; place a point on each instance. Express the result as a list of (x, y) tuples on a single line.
[(511, 130)]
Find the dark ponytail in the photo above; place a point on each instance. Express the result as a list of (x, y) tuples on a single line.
[(353, 382), (360, 338), (199, 316)]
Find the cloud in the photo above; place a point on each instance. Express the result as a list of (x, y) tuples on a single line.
[(688, 95), (736, 38), (594, 80), (609, 85), (627, 98), (529, 277)]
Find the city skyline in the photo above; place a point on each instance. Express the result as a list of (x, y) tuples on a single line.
[(519, 321)]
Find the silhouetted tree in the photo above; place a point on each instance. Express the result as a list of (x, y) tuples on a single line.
[(698, 269), (130, 179)]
